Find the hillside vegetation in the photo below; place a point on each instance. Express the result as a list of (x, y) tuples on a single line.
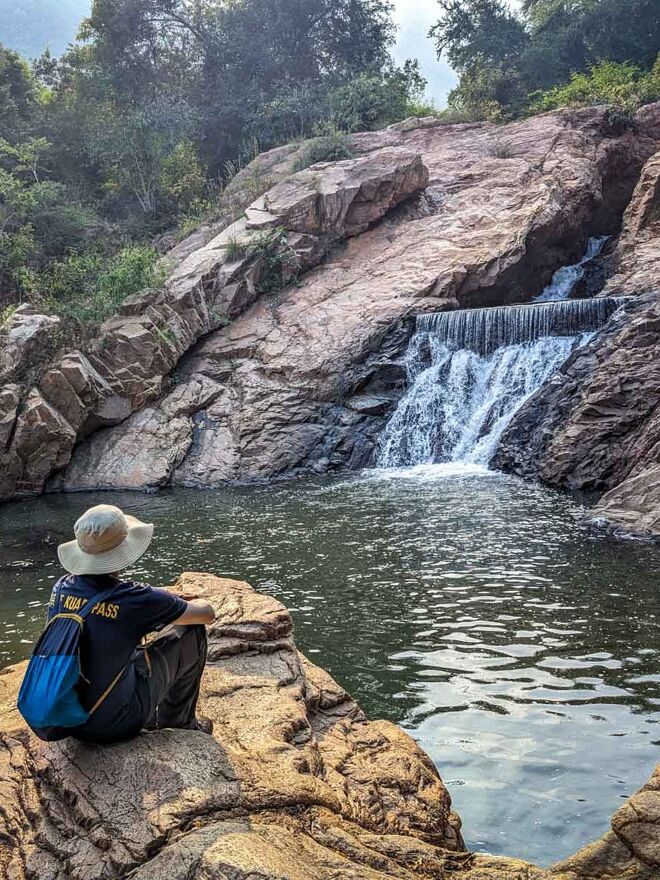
[(552, 53), (139, 126)]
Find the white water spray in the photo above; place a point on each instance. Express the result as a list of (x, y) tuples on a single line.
[(565, 279), (470, 371)]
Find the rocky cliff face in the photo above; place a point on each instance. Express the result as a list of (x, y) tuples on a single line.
[(295, 783), (213, 379), (596, 425)]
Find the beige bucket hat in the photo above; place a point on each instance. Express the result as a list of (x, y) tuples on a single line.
[(107, 541)]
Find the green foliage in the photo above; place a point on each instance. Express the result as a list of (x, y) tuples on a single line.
[(18, 95), (202, 55), (235, 250), (621, 85), (182, 179), (421, 108), (5, 315), (554, 52), (478, 32), (85, 289), (17, 242), (371, 101), (278, 264), (330, 148), (501, 150), (488, 93), (38, 219), (146, 160)]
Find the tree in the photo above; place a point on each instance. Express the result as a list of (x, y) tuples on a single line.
[(39, 219), (133, 147), (475, 33), (18, 95), (258, 69), (504, 57), (483, 41)]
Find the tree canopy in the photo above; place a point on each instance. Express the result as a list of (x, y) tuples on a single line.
[(505, 58), (138, 125)]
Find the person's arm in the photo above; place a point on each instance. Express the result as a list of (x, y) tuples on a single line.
[(198, 611), (157, 608)]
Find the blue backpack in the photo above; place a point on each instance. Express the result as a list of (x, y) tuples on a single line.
[(48, 699)]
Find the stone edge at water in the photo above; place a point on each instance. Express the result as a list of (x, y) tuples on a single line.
[(595, 426), (294, 784)]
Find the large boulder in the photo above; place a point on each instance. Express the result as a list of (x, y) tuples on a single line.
[(295, 783), (502, 208), (27, 340), (292, 757), (127, 366)]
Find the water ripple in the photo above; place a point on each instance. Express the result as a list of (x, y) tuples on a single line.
[(518, 644)]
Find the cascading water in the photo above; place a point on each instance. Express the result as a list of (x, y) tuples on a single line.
[(469, 371), (564, 280)]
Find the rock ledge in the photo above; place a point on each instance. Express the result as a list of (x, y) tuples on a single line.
[(294, 784)]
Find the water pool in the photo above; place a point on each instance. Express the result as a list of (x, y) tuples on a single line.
[(518, 643)]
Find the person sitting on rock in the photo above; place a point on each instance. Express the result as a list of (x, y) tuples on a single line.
[(127, 686)]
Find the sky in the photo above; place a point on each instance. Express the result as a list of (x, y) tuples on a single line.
[(414, 18), (25, 27)]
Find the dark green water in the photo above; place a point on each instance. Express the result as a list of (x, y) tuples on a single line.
[(518, 644)]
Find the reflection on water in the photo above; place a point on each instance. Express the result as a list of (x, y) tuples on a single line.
[(519, 645)]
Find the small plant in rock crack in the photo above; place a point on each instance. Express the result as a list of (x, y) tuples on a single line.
[(167, 335), (501, 150), (219, 319), (235, 250), (330, 147), (277, 261), (5, 314)]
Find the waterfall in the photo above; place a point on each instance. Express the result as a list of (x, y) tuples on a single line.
[(469, 371), (485, 330), (565, 279)]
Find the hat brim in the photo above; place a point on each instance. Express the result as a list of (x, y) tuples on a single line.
[(76, 561)]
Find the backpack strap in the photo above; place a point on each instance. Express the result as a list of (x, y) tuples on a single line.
[(107, 691), (84, 612)]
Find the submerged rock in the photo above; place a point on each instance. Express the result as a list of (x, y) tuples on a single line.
[(294, 784)]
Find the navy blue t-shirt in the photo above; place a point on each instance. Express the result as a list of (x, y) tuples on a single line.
[(112, 631)]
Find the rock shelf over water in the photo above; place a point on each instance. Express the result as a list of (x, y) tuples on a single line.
[(294, 784)]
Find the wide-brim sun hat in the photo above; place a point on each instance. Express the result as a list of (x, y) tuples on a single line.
[(107, 541)]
